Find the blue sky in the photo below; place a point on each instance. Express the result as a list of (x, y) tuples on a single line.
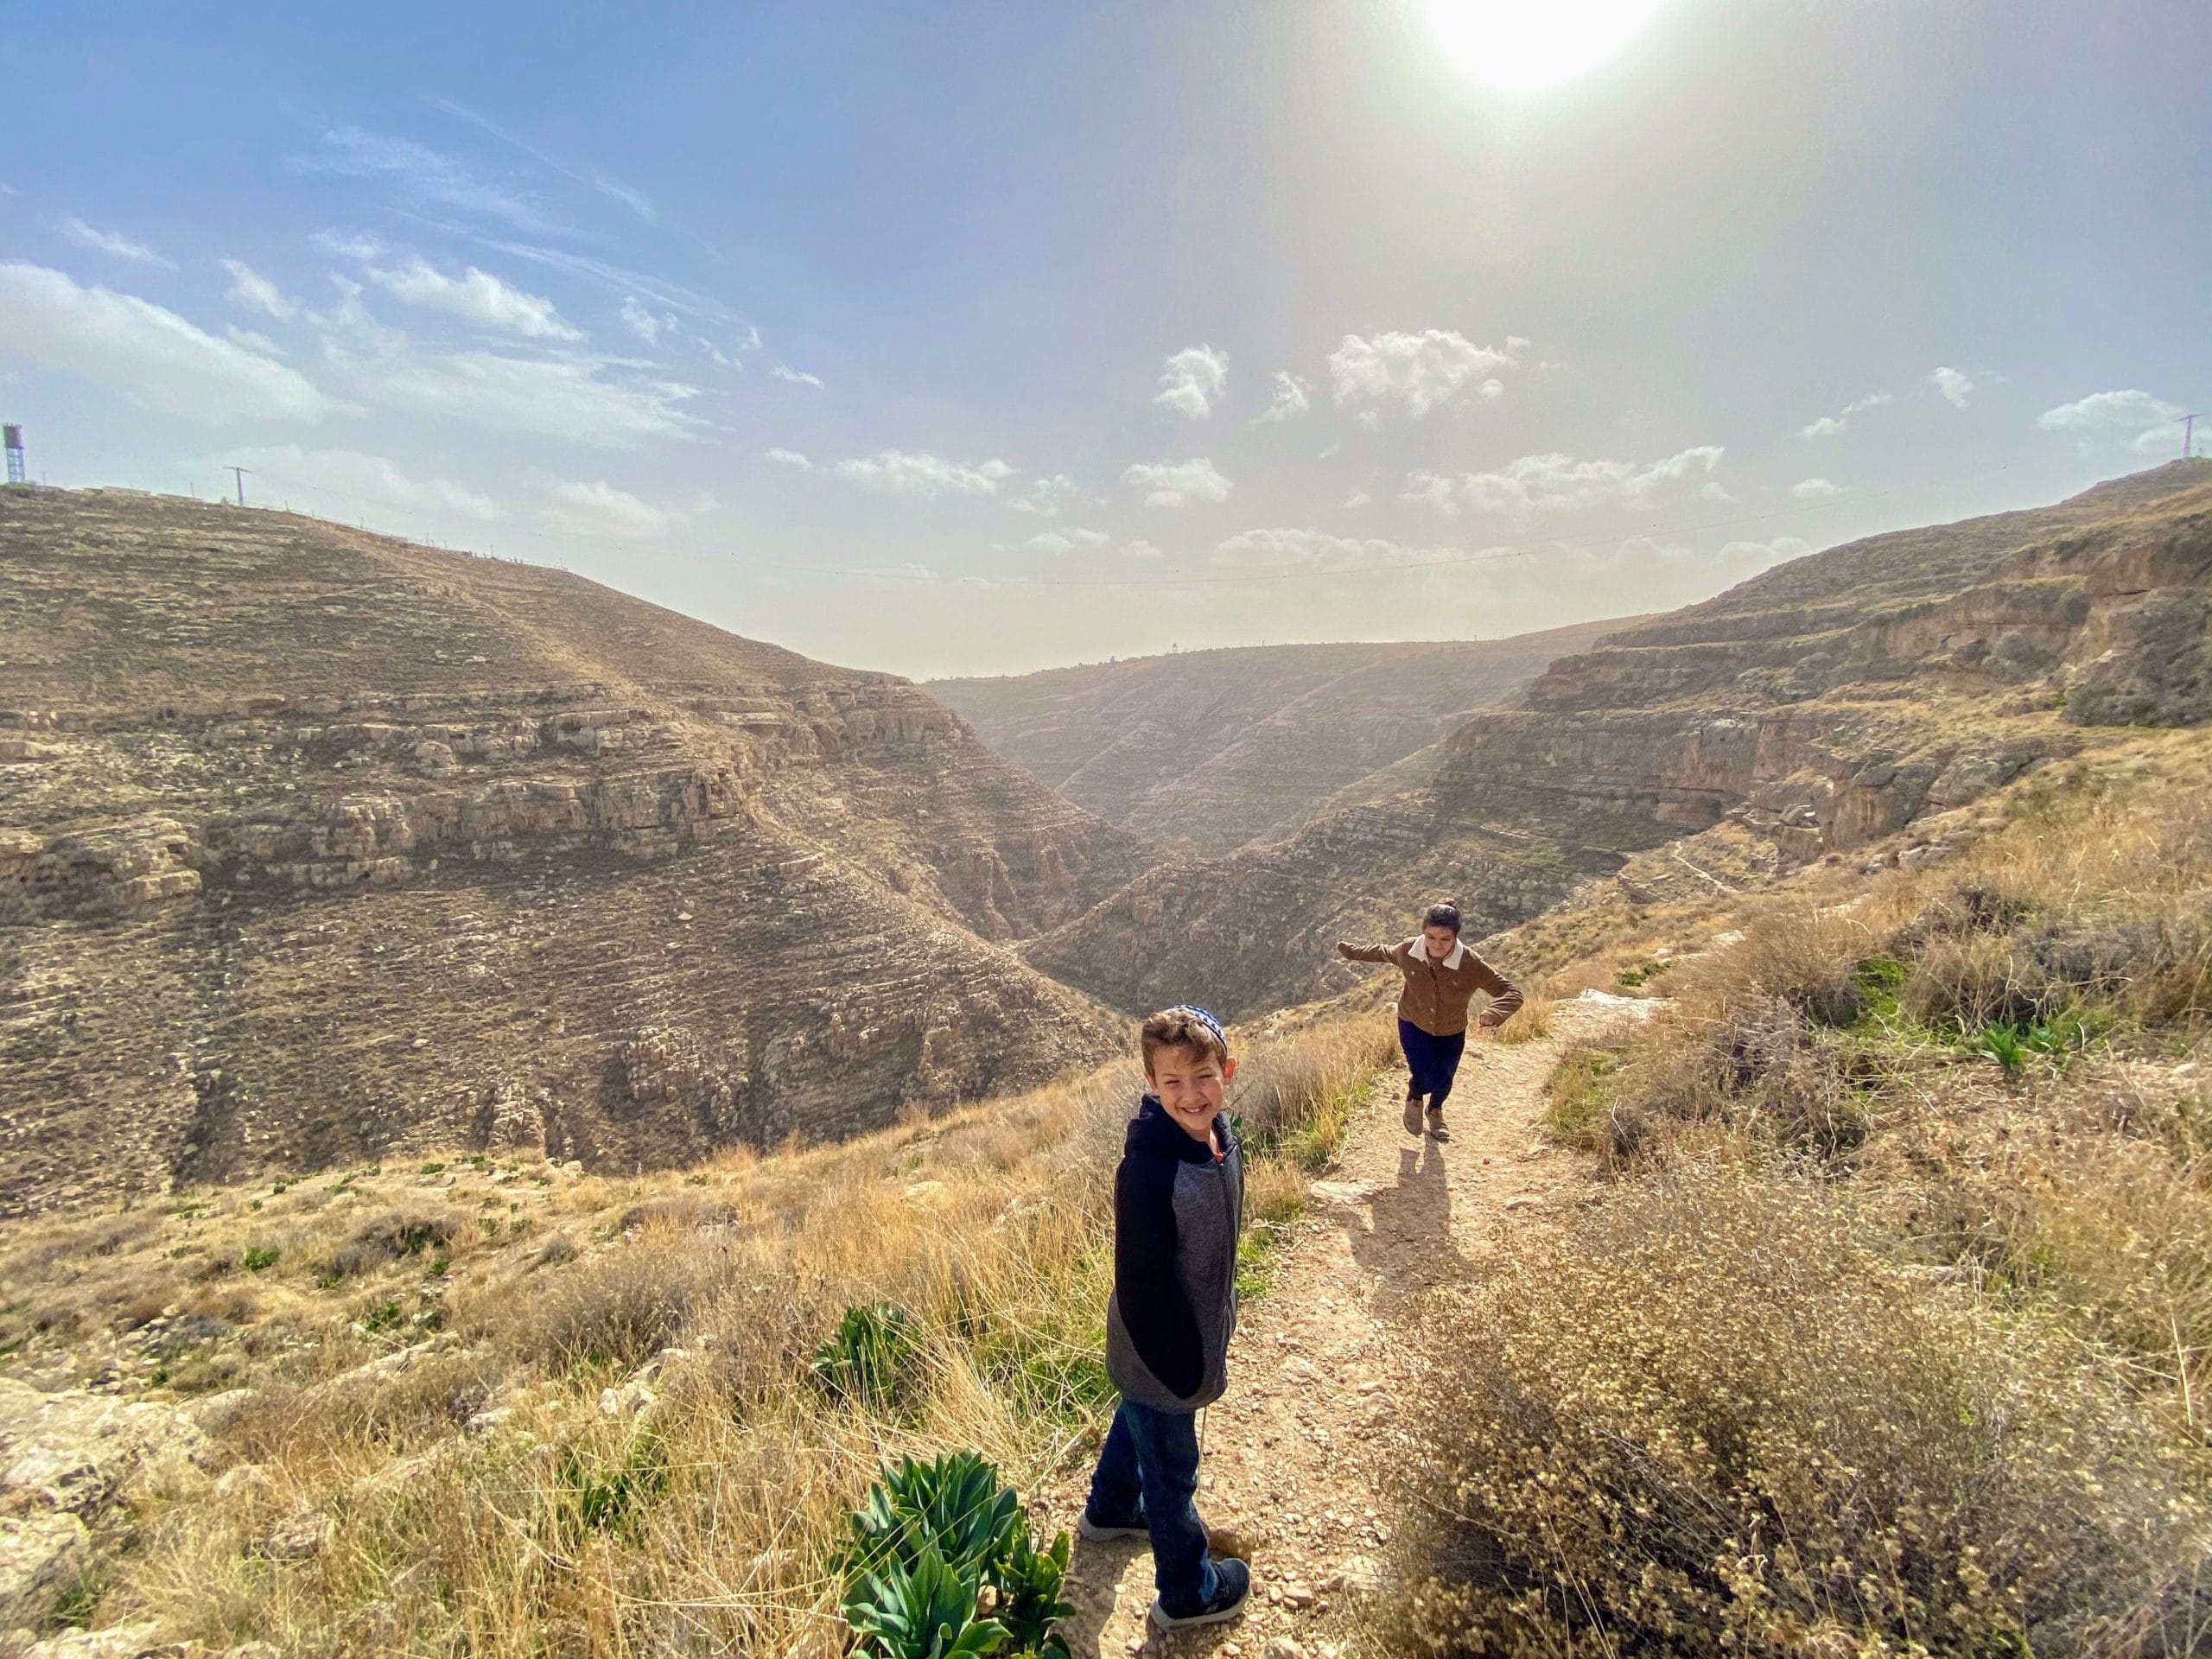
[(974, 338)]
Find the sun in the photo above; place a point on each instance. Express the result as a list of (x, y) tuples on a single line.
[(1525, 47)]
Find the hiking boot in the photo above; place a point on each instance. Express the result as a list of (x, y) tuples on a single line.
[(1435, 1124), (1232, 1588), (1101, 1532)]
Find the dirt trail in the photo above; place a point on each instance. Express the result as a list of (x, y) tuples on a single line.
[(1320, 1377)]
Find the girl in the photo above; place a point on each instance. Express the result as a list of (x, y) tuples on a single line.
[(1442, 976)]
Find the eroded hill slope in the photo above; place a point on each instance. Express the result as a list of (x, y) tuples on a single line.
[(317, 844), (1807, 711), (1205, 751)]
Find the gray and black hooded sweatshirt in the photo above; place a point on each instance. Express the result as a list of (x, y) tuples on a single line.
[(1177, 1214)]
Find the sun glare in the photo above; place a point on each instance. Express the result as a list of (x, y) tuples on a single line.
[(1525, 47)]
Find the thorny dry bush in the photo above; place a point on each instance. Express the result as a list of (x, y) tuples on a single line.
[(1714, 1420), (586, 1418), (1891, 1337)]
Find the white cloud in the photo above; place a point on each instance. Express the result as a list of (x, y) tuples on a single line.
[(348, 473), (478, 296), (636, 200), (1413, 374), (599, 508), (1814, 489), (422, 172), (562, 397), (642, 321), (1293, 398), (1556, 483), (1139, 549), (1194, 378), (1048, 497), (791, 458), (250, 289), (1174, 484), (1955, 385), (797, 378), (2110, 411), (150, 353), (1828, 425), (251, 340), (1259, 548), (1071, 540), (347, 244), (904, 473), (1358, 498), (114, 243)]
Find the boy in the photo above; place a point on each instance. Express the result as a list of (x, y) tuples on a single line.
[(1178, 1202)]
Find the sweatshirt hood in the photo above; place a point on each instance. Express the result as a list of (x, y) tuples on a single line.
[(1153, 1130)]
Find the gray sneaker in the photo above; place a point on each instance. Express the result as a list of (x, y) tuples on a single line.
[(1232, 1589), (1099, 1533)]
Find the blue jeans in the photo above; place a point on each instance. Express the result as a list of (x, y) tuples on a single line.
[(1435, 1061), (1153, 1456)]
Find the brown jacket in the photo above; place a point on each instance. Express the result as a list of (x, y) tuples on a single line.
[(1436, 994)]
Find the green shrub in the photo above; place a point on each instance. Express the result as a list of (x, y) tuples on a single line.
[(930, 1539), (869, 1359), (259, 1259)]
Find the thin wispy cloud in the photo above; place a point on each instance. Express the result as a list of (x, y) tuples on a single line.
[(114, 243), (426, 175), (148, 353), (354, 476), (1048, 497), (797, 378), (1253, 549), (1056, 542), (1828, 425), (636, 200), (791, 458), (643, 321), (598, 508), (250, 289), (477, 296), (617, 279)]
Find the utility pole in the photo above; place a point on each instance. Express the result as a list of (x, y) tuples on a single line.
[(239, 474), (2188, 435)]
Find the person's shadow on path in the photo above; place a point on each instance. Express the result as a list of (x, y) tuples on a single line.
[(1407, 1243)]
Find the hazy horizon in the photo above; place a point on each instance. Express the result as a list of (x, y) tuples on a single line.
[(980, 341)]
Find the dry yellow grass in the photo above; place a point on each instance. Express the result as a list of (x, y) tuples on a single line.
[(486, 1493)]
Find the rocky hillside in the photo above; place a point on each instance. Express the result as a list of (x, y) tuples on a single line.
[(316, 845), (1206, 751), (1813, 708)]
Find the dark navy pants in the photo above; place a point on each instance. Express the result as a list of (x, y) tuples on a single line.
[(1435, 1061), (1150, 1460)]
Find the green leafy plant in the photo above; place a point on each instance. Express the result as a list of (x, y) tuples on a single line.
[(928, 1542), (869, 1359), (258, 1259)]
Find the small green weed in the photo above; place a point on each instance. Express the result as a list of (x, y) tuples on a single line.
[(259, 1259)]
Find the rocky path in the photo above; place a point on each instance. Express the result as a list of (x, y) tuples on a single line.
[(1321, 1376)]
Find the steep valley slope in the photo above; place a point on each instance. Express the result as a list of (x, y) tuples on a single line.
[(316, 845), (1807, 711), (1205, 751)]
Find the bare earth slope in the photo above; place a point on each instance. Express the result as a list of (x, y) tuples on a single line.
[(316, 844), (1810, 710), (1205, 751)]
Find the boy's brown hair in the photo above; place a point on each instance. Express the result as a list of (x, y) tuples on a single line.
[(1183, 1028)]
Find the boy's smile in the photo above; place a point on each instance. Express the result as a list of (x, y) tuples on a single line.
[(1190, 1085)]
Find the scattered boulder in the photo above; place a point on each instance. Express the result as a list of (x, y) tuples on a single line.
[(39, 1556)]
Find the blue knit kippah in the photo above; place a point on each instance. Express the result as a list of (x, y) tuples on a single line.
[(1205, 1019)]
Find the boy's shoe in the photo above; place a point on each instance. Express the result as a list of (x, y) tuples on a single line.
[(1099, 1533), (1436, 1125), (1232, 1588), (1413, 1112)]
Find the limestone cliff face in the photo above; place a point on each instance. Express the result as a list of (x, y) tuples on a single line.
[(316, 845), (1813, 708)]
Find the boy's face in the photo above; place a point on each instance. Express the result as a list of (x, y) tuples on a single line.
[(1441, 941), (1189, 1084)]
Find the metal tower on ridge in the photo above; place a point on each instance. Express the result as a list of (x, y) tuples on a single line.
[(11, 437)]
